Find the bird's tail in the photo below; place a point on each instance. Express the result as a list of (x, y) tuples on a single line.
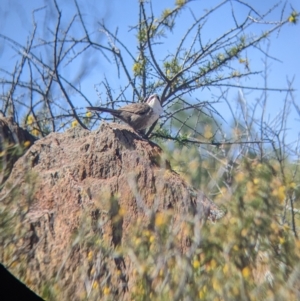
[(100, 109)]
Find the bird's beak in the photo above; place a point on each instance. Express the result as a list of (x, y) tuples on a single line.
[(151, 97)]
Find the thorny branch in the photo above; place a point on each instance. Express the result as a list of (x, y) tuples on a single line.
[(176, 74)]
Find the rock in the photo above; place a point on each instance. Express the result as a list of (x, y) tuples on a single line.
[(90, 187)]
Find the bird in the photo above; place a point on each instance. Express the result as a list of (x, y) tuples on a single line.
[(139, 116)]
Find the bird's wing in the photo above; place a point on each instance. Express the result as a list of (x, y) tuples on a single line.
[(137, 108)]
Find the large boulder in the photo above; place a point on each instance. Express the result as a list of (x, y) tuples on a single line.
[(76, 190)]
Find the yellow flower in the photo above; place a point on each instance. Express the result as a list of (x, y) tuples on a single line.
[(211, 265), (281, 240), (281, 193), (30, 120), (122, 211), (246, 272), (74, 123), (244, 232), (137, 241), (233, 220), (137, 69), (152, 238), (106, 290), (275, 227), (226, 269), (293, 17), (93, 271), (216, 284), (236, 248), (88, 114), (292, 185), (146, 233), (160, 219), (90, 256), (196, 264), (26, 144), (35, 132), (239, 177), (202, 292), (208, 132)]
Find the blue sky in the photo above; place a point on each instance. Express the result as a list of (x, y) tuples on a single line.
[(16, 22)]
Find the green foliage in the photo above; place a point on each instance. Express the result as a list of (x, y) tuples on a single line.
[(249, 254)]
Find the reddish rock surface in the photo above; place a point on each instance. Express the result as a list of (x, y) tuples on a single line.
[(82, 181)]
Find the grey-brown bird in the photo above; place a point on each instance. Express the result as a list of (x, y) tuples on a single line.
[(138, 115)]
